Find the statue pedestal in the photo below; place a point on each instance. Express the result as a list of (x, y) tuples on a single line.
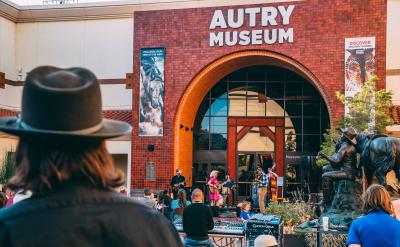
[(346, 203)]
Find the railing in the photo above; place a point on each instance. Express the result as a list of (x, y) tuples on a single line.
[(223, 240)]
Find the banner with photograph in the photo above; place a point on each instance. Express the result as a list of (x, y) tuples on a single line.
[(151, 107), (359, 63)]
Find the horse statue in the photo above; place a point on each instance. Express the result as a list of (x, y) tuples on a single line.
[(379, 154)]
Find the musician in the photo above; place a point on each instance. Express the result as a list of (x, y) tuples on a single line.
[(262, 187), (227, 186), (271, 175), (178, 182), (213, 185)]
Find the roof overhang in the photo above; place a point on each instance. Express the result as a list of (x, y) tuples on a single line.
[(107, 10)]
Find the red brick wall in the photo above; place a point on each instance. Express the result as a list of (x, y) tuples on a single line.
[(320, 28), (8, 113)]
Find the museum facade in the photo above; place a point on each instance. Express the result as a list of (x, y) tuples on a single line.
[(242, 83)]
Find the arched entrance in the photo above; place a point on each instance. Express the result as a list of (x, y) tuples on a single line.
[(199, 87)]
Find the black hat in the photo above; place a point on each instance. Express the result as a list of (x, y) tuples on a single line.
[(62, 103)]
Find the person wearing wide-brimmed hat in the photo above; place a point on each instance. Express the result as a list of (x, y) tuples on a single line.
[(342, 164), (62, 159)]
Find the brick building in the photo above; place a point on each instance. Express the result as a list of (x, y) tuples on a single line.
[(241, 83)]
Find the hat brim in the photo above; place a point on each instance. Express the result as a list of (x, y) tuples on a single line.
[(110, 129)]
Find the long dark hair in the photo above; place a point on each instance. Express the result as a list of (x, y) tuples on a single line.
[(182, 198), (42, 165)]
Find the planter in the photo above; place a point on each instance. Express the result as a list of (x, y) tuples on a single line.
[(293, 240)]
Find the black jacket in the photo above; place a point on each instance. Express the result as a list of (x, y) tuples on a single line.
[(197, 221), (83, 216)]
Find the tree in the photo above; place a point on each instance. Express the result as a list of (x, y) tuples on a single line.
[(367, 112)]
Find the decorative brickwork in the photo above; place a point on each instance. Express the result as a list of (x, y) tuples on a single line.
[(121, 115), (319, 32)]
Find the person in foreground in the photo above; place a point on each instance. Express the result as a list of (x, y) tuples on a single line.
[(197, 221), (376, 228), (265, 241), (62, 159)]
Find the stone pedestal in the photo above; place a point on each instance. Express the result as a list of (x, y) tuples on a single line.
[(346, 203)]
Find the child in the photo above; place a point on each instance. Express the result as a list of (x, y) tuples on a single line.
[(245, 210)]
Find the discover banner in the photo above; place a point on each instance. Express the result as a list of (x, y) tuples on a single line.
[(151, 107), (359, 63)]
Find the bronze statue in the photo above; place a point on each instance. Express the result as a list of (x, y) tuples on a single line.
[(342, 164), (379, 155)]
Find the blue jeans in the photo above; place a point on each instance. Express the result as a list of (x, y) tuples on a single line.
[(197, 243)]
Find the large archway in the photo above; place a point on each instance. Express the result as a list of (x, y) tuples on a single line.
[(207, 78)]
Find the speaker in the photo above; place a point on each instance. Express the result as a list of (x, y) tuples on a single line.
[(150, 147)]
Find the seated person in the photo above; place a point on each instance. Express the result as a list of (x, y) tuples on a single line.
[(197, 221), (179, 205), (148, 199), (245, 210)]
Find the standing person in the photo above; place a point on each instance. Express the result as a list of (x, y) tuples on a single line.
[(271, 175), (227, 188), (63, 160), (178, 182), (213, 187), (262, 188), (179, 205), (197, 221), (376, 227)]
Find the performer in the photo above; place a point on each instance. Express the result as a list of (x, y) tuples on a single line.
[(227, 186), (262, 188), (271, 174), (213, 186), (178, 182)]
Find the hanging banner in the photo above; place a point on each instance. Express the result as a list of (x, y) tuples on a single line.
[(151, 91), (359, 63)]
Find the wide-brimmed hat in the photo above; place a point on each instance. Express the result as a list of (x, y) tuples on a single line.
[(349, 132), (62, 103)]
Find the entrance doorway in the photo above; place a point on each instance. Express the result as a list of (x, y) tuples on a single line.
[(267, 132), (258, 110), (246, 170)]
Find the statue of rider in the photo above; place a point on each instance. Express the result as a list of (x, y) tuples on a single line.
[(342, 164)]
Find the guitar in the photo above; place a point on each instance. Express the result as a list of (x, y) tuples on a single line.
[(214, 188), (177, 185)]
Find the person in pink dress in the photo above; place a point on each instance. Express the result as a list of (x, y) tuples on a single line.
[(213, 187)]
